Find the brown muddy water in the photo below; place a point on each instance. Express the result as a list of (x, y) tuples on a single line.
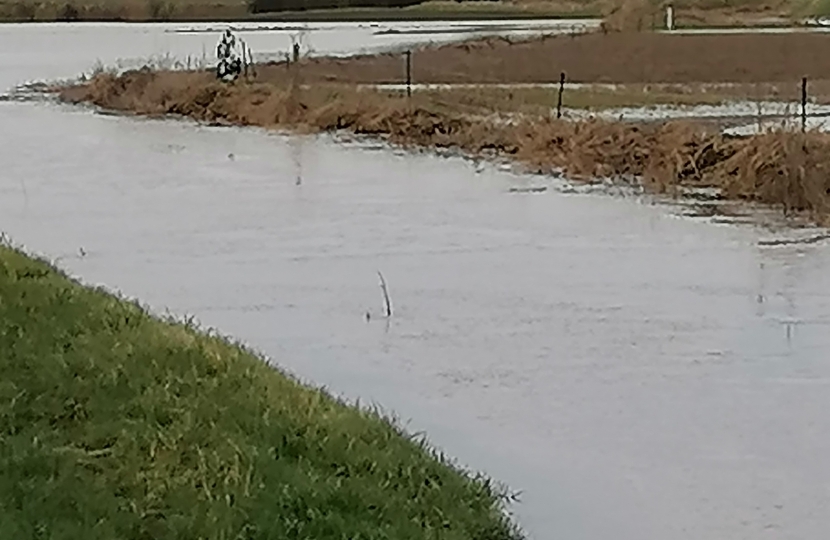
[(636, 375)]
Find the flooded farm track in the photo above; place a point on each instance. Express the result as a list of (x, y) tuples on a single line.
[(634, 374)]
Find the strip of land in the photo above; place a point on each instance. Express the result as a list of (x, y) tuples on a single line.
[(639, 15), (784, 169), (242, 10), (116, 424)]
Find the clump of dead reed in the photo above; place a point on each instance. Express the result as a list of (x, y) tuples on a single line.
[(642, 15), (629, 15), (784, 168)]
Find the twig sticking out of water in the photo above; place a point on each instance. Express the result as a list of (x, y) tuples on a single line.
[(815, 239), (386, 299), (253, 64)]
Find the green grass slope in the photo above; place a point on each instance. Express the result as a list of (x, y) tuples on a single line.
[(117, 425)]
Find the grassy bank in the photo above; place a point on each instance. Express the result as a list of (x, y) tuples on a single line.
[(781, 168), (114, 424)]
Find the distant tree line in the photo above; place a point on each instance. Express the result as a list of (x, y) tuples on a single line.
[(261, 6)]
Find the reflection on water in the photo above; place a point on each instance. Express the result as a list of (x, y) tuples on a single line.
[(610, 360), (296, 145)]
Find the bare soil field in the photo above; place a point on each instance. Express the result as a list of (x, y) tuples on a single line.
[(616, 57)]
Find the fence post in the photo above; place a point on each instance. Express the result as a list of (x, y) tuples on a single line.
[(408, 74), (244, 61), (804, 104), (559, 99)]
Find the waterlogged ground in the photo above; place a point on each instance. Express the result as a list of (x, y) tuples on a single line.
[(635, 374), (741, 117), (59, 50), (738, 117)]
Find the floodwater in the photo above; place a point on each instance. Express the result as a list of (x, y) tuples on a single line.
[(65, 50), (742, 116), (636, 375), (746, 117)]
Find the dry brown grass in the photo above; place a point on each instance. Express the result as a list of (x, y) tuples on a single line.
[(642, 15), (631, 15), (787, 169)]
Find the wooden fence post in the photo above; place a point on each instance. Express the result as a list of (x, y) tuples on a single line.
[(559, 99), (408, 74)]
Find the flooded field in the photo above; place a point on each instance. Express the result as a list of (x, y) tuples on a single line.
[(634, 374), (738, 116), (132, 45)]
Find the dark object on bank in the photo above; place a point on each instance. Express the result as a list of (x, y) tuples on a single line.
[(534, 189), (229, 65), (408, 74)]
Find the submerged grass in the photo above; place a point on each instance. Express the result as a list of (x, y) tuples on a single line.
[(540, 101), (787, 169), (115, 424)]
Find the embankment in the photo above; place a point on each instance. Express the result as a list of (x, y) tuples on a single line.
[(641, 15), (116, 424), (781, 168)]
